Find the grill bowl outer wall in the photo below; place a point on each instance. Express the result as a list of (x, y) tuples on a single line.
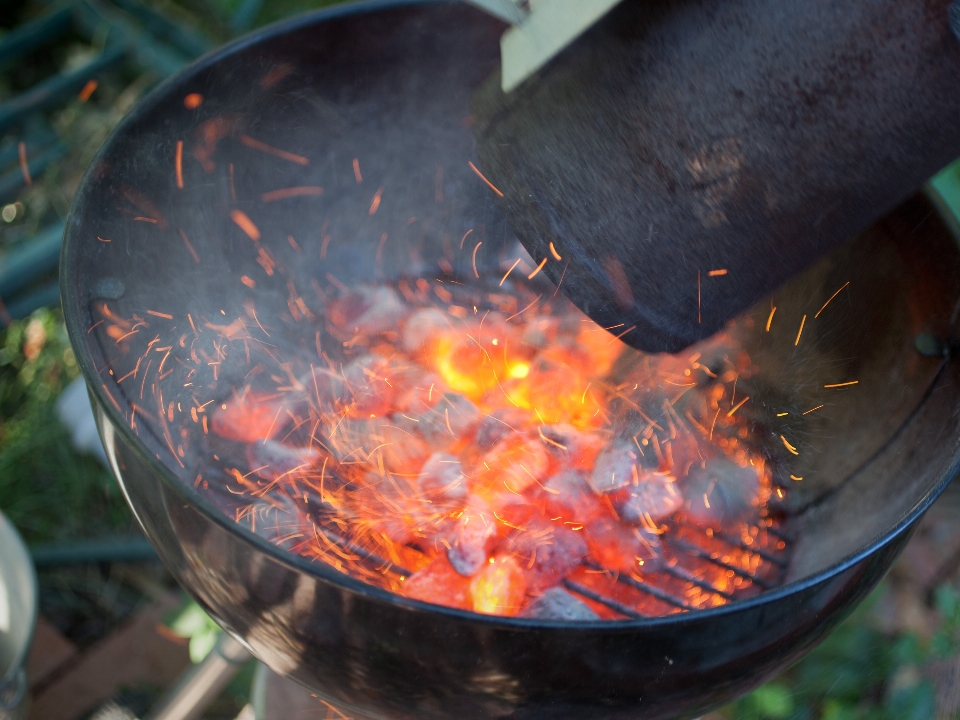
[(366, 649), (361, 648)]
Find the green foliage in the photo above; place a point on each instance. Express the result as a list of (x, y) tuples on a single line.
[(192, 622), (47, 490), (860, 672), (269, 11), (773, 700), (947, 185), (279, 9), (946, 641)]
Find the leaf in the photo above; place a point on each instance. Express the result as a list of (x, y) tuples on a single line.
[(193, 623), (947, 601), (839, 710), (944, 644), (773, 700), (913, 703), (909, 650), (202, 643)]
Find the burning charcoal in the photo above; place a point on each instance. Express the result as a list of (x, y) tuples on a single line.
[(367, 310), (622, 548), (499, 588), (395, 526), (720, 492), (541, 332), (571, 447), (494, 332), (407, 557), (566, 353), (399, 444), (615, 468), (594, 342), (549, 386), (557, 604), (493, 428), (567, 497), (440, 584), (561, 440), (652, 499), (546, 552), (490, 458), (271, 460), (474, 360), (424, 327), (251, 417), (420, 393), (316, 509), (436, 523), (514, 511), (370, 387), (473, 538), (680, 454), (463, 414), (347, 438), (387, 506), (515, 463), (672, 451), (452, 418), (441, 479), (322, 387)]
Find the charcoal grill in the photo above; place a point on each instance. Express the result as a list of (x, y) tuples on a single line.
[(390, 82)]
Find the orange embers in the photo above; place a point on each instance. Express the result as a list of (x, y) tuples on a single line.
[(499, 587), (249, 417), (491, 452), (440, 580), (621, 547), (496, 589), (513, 464)]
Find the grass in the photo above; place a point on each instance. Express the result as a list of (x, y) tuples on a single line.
[(861, 673), (50, 492)]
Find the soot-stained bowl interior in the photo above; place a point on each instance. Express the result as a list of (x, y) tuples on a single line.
[(163, 230)]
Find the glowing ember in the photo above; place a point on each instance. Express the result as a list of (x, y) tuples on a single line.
[(464, 437), (501, 462)]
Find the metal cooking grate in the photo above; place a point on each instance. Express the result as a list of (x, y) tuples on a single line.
[(676, 551)]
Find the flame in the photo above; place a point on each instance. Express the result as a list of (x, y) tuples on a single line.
[(468, 446)]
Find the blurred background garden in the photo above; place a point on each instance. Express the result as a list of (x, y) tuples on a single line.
[(896, 658)]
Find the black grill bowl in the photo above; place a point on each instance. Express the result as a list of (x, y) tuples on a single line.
[(390, 83)]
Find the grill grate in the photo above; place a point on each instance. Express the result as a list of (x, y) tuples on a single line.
[(676, 551)]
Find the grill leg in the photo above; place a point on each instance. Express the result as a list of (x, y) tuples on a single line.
[(202, 684)]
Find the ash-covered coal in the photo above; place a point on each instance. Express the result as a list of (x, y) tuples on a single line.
[(483, 447), (383, 382)]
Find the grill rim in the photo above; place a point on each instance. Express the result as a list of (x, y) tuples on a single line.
[(71, 284)]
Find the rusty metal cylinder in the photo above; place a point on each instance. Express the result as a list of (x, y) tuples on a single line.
[(681, 137)]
